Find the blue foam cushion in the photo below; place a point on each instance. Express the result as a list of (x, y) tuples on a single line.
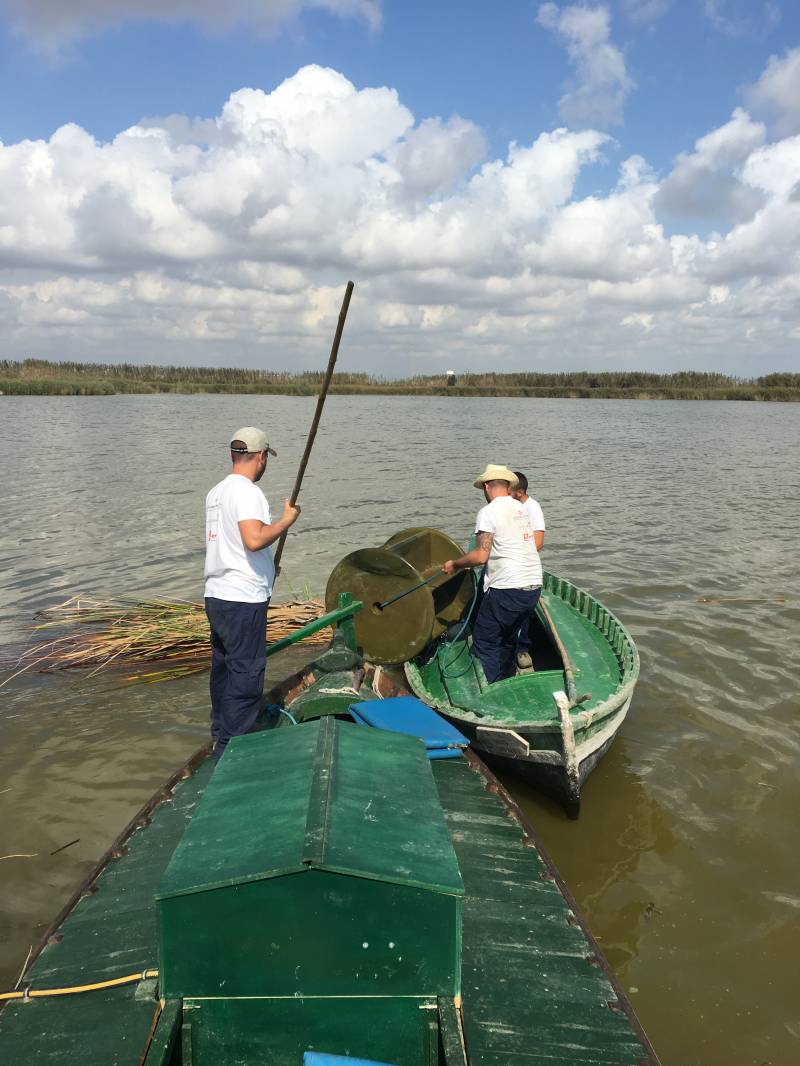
[(407, 714)]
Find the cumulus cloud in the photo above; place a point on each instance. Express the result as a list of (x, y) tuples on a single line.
[(777, 92), (229, 239), (602, 82), (435, 155), (52, 23), (706, 184)]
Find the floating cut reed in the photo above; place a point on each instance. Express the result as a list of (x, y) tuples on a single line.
[(135, 634)]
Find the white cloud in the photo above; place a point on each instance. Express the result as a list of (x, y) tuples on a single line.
[(229, 240), (645, 12), (435, 155), (775, 169), (777, 92), (638, 319), (706, 184), (738, 18), (612, 238), (49, 24), (598, 95)]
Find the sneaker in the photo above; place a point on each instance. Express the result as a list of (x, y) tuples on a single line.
[(524, 661)]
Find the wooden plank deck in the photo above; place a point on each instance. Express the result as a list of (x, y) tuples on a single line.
[(111, 932), (535, 992)]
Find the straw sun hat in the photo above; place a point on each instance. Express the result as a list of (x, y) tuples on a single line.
[(493, 472)]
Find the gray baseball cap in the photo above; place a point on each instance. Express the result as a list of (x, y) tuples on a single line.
[(255, 440)]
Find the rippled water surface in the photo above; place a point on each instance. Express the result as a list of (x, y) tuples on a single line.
[(682, 517)]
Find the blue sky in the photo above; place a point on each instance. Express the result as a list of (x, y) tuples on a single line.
[(616, 242)]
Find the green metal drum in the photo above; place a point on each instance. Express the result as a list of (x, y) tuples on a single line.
[(396, 632)]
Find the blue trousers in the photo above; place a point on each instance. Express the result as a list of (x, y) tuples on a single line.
[(494, 632), (238, 661)]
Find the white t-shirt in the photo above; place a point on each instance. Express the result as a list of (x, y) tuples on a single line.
[(233, 572), (535, 514), (513, 561)]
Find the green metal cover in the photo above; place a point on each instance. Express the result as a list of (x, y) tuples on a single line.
[(327, 795), (317, 863)]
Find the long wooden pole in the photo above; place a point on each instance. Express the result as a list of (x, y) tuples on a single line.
[(323, 392)]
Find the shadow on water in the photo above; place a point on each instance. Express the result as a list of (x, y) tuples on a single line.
[(599, 855)]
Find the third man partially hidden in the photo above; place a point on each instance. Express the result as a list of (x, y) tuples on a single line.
[(536, 515)]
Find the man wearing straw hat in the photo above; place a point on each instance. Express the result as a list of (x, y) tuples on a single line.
[(239, 575), (506, 544)]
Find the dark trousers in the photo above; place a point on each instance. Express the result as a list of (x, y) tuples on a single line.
[(494, 632), (238, 660), (524, 642)]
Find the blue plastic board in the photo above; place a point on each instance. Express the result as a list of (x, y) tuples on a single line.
[(407, 714), (319, 1058)]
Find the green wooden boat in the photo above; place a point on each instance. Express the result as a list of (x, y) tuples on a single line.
[(326, 890), (551, 725)]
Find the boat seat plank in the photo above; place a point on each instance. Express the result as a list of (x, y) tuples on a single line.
[(597, 668)]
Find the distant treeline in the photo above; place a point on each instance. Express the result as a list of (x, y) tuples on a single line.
[(41, 377)]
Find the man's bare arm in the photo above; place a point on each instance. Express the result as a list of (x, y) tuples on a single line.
[(257, 535), (477, 557), (538, 539)]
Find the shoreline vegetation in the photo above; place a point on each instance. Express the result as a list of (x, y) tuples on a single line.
[(40, 377)]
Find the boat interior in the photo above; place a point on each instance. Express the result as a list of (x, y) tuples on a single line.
[(452, 675)]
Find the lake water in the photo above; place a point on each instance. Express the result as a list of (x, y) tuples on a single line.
[(682, 517)]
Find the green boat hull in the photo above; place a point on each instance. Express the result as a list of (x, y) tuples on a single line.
[(551, 726), (534, 983)]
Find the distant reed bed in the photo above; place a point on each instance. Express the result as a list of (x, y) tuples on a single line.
[(42, 377)]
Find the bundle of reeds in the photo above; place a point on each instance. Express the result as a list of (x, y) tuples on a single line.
[(135, 634)]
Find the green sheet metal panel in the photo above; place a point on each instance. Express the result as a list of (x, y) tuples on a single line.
[(317, 863), (404, 1032), (313, 934), (265, 776)]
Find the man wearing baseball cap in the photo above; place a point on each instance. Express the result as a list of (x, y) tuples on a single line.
[(506, 543), (239, 576)]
